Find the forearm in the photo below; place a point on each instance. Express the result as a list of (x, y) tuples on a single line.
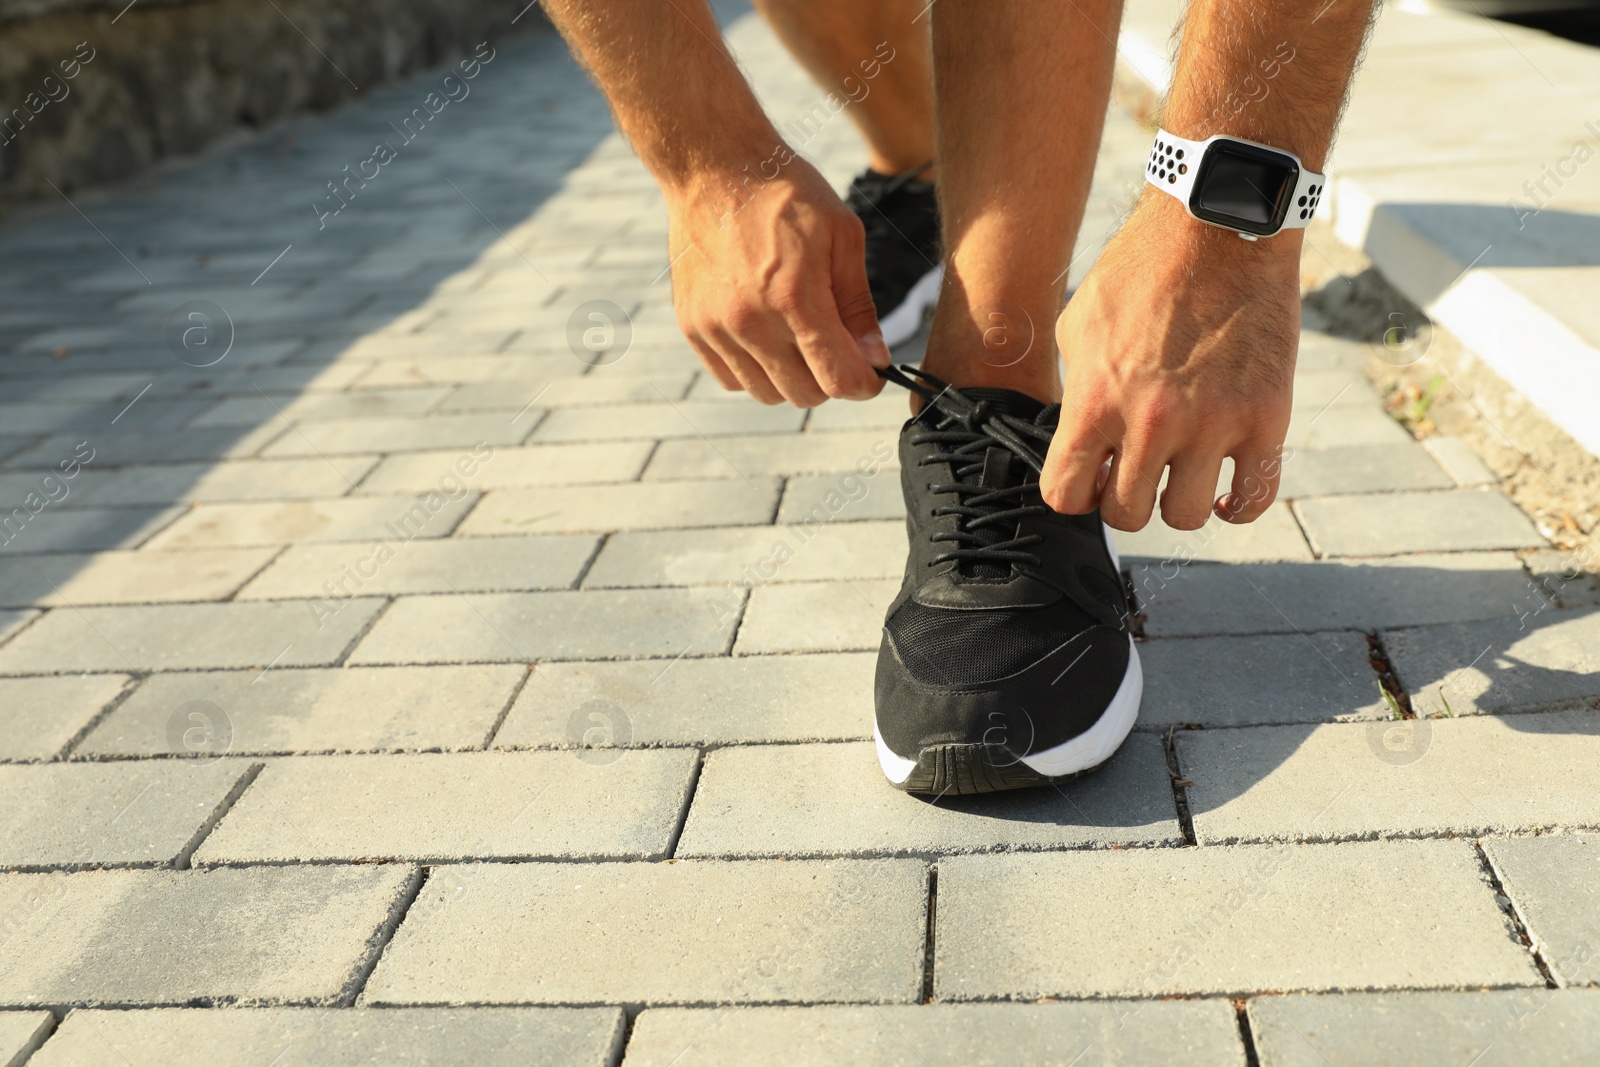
[(673, 86), (1272, 71)]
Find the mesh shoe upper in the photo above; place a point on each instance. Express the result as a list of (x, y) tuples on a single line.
[(901, 219)]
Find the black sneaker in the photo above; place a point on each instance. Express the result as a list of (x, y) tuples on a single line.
[(1006, 659), (901, 216)]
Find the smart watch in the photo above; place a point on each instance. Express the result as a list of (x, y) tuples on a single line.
[(1250, 188)]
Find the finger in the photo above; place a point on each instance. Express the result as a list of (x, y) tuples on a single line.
[(715, 364), (837, 329), (745, 368), (766, 342), (852, 296), (1129, 498), (1191, 490), (1256, 471), (1074, 466)]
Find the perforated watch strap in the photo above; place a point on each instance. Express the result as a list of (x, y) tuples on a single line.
[(1307, 195), (1172, 164), (1174, 160)]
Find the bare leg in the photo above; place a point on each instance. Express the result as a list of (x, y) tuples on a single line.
[(1022, 90), (832, 39)]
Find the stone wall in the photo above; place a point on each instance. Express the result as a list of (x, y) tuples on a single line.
[(93, 91)]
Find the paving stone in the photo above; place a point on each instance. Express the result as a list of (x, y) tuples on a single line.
[(127, 577), (250, 479), (528, 627), (318, 407), (136, 446), (88, 388), (439, 566), (1204, 599), (84, 529), (764, 801), (310, 710), (1318, 389), (31, 418), (757, 554), (1229, 919), (1425, 776), (12, 622), (1460, 461), (661, 933), (1562, 575), (1274, 536), (1488, 1028), (461, 806), (43, 714), (458, 370), (343, 519), (305, 1037), (268, 934), (749, 456), (386, 345), (568, 392), (1545, 658), (1359, 469), (541, 465), (287, 379), (1272, 678), (287, 633), (941, 1035), (1394, 523), (112, 813), (1341, 426), (629, 506), (663, 420), (1320, 352), (844, 497), (1554, 882), (21, 1033), (839, 616), (718, 700), (889, 411), (334, 436)]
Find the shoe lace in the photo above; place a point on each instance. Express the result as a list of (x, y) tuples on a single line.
[(964, 429)]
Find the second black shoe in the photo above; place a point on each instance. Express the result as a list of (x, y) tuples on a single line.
[(1006, 658), (901, 218)]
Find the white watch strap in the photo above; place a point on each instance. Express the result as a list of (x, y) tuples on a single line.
[(1172, 164), (1174, 160)]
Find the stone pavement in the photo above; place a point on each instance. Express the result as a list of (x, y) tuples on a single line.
[(448, 671)]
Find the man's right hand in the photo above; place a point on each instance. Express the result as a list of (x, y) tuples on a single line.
[(773, 294)]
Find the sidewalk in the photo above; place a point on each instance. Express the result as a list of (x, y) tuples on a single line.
[(445, 674)]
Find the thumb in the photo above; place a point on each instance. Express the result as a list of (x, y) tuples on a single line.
[(853, 296)]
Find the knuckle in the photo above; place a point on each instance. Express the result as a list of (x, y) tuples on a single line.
[(741, 319)]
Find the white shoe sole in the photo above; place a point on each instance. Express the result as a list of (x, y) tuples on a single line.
[(902, 324), (1089, 749)]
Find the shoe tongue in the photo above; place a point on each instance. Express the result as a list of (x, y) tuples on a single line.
[(1006, 401), (999, 469)]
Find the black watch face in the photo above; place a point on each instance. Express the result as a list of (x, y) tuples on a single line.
[(1244, 188)]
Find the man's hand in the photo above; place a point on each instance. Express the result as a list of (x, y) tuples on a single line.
[(771, 287), (1178, 351)]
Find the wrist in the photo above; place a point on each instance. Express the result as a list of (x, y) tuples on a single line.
[(722, 151), (1163, 222)]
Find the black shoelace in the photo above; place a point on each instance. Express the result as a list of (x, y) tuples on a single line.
[(964, 430)]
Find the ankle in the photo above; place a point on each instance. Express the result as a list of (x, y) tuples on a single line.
[(1010, 352)]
